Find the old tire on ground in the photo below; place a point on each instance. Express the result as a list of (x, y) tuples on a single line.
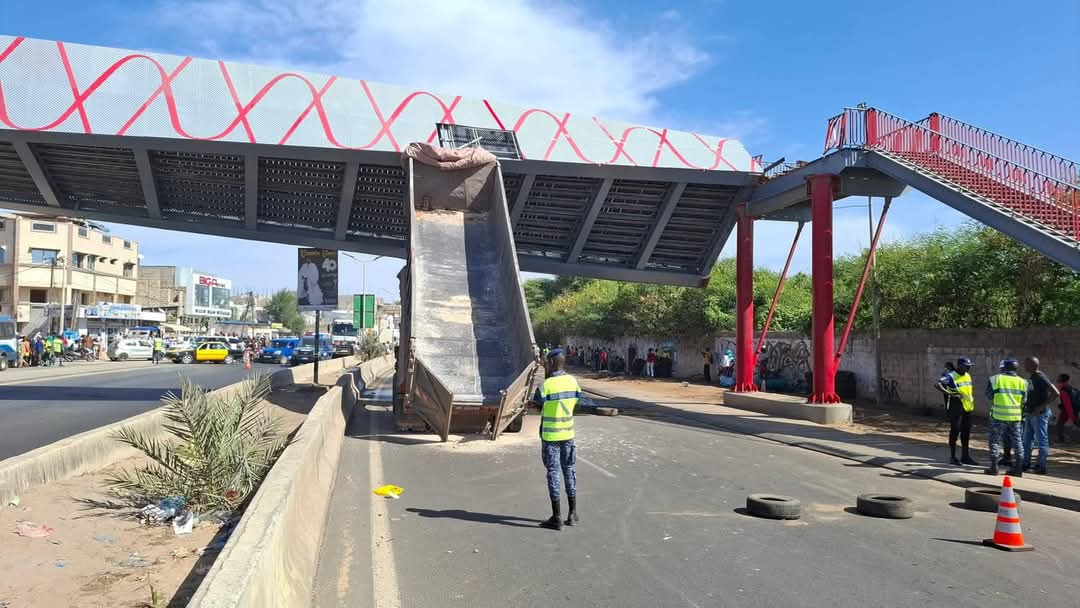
[(885, 505), (772, 506), (515, 426), (606, 411), (985, 499)]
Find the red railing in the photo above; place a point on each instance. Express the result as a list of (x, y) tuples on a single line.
[(1037, 196), (1041, 161)]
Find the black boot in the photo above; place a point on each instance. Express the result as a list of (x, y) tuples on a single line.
[(992, 470), (555, 521), (571, 517), (967, 459)]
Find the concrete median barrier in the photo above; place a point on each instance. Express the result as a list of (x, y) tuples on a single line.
[(95, 449), (270, 559)]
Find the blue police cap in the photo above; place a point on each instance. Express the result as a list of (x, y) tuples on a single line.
[(964, 361), (555, 352), (1010, 364)]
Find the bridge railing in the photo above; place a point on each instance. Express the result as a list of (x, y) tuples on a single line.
[(1051, 165), (1052, 202)]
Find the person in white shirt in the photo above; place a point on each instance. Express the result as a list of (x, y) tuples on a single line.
[(309, 293)]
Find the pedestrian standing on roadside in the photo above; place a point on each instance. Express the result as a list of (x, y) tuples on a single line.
[(159, 349), (604, 358), (1007, 392), (58, 351), (1041, 393), (650, 364), (38, 347), (25, 351), (949, 368), (958, 388), (1070, 400), (557, 398), (707, 361)]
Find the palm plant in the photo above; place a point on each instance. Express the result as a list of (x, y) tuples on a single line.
[(217, 450)]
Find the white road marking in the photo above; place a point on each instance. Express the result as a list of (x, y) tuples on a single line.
[(603, 471), (383, 567)]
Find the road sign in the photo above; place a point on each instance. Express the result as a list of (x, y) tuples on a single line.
[(364, 311), (316, 279)]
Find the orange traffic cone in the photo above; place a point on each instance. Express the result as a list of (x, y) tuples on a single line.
[(247, 362), (1007, 534)]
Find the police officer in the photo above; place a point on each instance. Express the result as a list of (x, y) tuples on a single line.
[(58, 350), (1007, 392), (557, 398), (159, 349), (957, 386)]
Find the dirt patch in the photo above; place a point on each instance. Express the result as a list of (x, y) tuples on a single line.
[(99, 554)]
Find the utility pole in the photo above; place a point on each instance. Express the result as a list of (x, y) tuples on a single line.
[(318, 346)]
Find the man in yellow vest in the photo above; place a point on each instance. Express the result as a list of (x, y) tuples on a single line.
[(960, 403), (557, 397), (159, 349), (1007, 392), (58, 350)]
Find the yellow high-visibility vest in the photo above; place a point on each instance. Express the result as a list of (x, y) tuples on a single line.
[(1009, 392), (560, 394), (966, 390)]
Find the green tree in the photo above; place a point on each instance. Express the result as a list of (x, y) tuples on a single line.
[(282, 308)]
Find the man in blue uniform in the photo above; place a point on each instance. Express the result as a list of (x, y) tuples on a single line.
[(557, 398)]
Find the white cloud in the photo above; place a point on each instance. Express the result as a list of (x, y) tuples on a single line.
[(518, 51)]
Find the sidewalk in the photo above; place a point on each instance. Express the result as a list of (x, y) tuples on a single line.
[(896, 440)]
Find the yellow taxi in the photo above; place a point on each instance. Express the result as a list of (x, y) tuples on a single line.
[(217, 352)]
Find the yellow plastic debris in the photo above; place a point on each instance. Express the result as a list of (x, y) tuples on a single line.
[(389, 491)]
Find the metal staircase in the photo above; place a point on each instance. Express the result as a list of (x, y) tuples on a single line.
[(1025, 192)]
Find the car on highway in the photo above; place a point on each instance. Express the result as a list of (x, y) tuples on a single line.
[(218, 352), (305, 352), (131, 348), (280, 351)]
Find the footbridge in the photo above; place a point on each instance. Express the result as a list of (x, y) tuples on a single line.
[(215, 147)]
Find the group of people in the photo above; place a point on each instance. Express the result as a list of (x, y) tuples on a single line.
[(1020, 412), (47, 350)]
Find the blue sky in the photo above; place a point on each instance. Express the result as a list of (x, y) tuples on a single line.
[(770, 74)]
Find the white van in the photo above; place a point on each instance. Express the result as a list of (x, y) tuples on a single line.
[(131, 348)]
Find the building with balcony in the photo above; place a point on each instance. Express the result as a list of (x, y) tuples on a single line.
[(52, 268)]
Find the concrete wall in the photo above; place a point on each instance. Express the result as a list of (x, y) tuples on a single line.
[(911, 359)]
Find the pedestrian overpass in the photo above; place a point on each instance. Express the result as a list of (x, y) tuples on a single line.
[(219, 148)]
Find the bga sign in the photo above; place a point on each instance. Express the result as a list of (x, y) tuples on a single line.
[(209, 296)]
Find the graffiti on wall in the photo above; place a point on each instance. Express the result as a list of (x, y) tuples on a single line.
[(890, 390)]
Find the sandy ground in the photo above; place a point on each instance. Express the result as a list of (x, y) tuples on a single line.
[(99, 553)]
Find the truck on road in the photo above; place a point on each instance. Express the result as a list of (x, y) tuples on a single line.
[(9, 343), (344, 337), (467, 360)]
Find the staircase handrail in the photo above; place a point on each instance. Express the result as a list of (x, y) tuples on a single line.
[(1071, 167)]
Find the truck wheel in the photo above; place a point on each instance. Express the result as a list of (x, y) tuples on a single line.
[(515, 426)]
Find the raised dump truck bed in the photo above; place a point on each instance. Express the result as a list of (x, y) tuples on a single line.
[(468, 359)]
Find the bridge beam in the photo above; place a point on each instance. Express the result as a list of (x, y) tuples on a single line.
[(590, 219), (518, 204), (33, 167), (146, 178), (348, 191), (251, 191), (667, 207)]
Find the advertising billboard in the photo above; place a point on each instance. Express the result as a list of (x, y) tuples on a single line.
[(317, 279), (207, 295)]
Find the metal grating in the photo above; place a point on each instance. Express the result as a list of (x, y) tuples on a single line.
[(694, 227), (93, 178), (200, 185), (16, 185), (512, 185), (552, 215), (299, 193), (378, 208), (623, 224), (503, 144)]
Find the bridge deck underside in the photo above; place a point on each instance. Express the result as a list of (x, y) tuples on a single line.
[(631, 223)]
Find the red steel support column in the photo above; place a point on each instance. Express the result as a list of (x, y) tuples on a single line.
[(821, 231), (744, 302)]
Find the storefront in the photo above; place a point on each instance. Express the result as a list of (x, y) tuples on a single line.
[(108, 318)]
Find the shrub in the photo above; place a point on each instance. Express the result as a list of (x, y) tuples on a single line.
[(218, 448)]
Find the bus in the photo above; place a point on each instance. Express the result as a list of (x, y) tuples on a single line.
[(9, 344)]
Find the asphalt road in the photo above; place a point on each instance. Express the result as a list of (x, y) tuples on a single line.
[(36, 410), (662, 525)]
